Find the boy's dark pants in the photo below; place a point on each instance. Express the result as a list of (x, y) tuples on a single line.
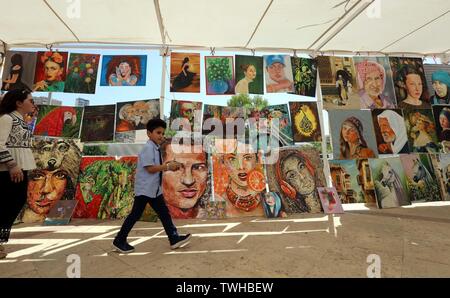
[(159, 205)]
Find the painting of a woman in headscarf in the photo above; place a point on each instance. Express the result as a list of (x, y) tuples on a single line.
[(441, 84), (352, 142), (442, 120), (390, 131), (272, 205), (371, 78)]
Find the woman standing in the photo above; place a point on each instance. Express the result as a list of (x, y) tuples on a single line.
[(16, 157), (184, 78)]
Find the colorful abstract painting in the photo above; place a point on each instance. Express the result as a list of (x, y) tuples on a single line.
[(249, 75), (305, 75), (352, 134), (98, 123), (410, 83), (305, 121), (124, 70), (391, 186), (58, 121), (18, 71), (278, 74), (295, 172), (376, 88), (390, 131), (134, 115), (82, 73), (184, 110), (185, 72), (50, 72), (420, 125), (338, 83), (54, 179), (219, 75), (330, 200), (105, 187), (238, 178), (422, 182)]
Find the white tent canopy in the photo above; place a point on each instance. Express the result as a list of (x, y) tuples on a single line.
[(310, 26)]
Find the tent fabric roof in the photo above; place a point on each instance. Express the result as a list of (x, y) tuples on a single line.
[(394, 26)]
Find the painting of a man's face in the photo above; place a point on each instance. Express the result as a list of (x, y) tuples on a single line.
[(297, 175), (184, 187), (45, 188), (387, 132)]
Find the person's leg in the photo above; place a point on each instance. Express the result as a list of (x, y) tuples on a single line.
[(136, 212), (159, 205)]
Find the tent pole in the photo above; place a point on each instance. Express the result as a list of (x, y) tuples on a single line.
[(164, 53)]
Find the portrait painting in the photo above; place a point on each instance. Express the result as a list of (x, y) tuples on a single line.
[(421, 129), (249, 75), (390, 131), (98, 123), (278, 74), (188, 115), (18, 70), (134, 115), (126, 70), (50, 71), (185, 72)]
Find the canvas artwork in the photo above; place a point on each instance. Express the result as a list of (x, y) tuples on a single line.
[(338, 83), (125, 137), (391, 187), (186, 191), (278, 123), (330, 200), (50, 72), (61, 213), (390, 131), (124, 70), (352, 134), (249, 75), (441, 164), (278, 74), (438, 81), (18, 71), (184, 110), (215, 210), (105, 187), (441, 115), (352, 180), (95, 150), (54, 179), (98, 123), (238, 177), (212, 119), (421, 130), (410, 83), (134, 115), (58, 121), (185, 72), (305, 121), (422, 182), (219, 75), (82, 73), (272, 205), (376, 87), (296, 174), (305, 75)]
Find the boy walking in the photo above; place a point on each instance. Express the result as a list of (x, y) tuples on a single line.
[(147, 189)]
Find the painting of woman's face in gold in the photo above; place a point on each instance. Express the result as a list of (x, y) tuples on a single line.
[(239, 165)]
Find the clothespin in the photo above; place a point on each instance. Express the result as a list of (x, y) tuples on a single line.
[(295, 53), (213, 50), (253, 51)]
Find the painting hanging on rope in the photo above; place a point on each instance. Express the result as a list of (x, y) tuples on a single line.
[(305, 121), (124, 70), (352, 180), (352, 134), (82, 73), (184, 110), (50, 72), (134, 115), (422, 182), (338, 82), (391, 187), (238, 177), (54, 179), (219, 75), (421, 130), (105, 187), (305, 76), (376, 88), (438, 80), (58, 121), (278, 74), (330, 200), (185, 72), (186, 191), (390, 131), (249, 75), (98, 123), (296, 174), (18, 71), (410, 83)]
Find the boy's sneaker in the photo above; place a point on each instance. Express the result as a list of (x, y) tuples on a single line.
[(122, 247), (179, 241)]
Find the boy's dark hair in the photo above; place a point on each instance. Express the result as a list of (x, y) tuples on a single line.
[(154, 123)]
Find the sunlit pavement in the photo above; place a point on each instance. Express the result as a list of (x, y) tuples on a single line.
[(412, 241)]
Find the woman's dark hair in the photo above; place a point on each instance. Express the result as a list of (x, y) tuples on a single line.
[(186, 59), (154, 123), (244, 67), (8, 103)]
